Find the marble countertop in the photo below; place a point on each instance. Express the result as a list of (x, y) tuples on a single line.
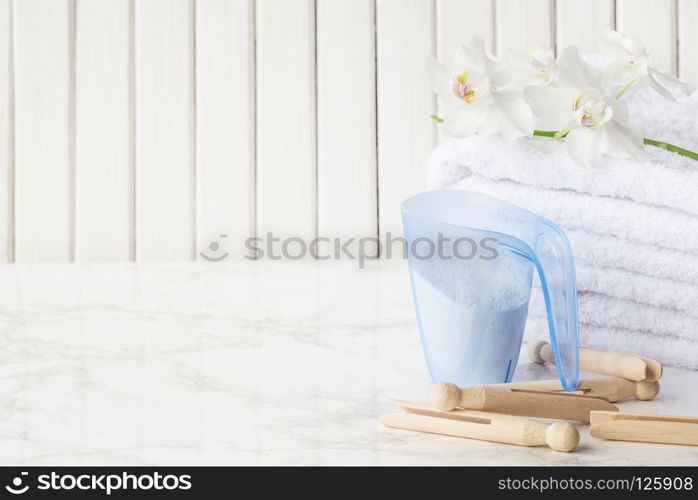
[(241, 363)]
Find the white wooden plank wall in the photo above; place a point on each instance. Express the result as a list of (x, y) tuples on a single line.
[(530, 22), (164, 101), (455, 17), (225, 118), (346, 120), (581, 22), (148, 129), (6, 132), (406, 134), (103, 139), (688, 40), (44, 228), (654, 22), (286, 97)]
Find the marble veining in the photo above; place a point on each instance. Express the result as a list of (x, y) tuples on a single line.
[(240, 363)]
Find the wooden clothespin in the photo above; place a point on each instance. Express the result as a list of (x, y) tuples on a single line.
[(513, 401), (560, 436), (644, 428), (611, 388), (617, 364)]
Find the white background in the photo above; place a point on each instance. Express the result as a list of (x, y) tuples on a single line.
[(144, 129)]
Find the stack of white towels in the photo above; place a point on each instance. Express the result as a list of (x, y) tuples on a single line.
[(633, 225)]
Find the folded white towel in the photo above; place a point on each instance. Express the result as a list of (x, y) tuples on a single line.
[(666, 180), (634, 222), (637, 288), (611, 312), (610, 251)]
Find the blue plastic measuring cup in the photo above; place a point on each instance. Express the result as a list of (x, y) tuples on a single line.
[(471, 260)]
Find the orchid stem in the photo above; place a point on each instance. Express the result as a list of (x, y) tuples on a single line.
[(650, 142), (672, 148), (626, 87), (547, 133)]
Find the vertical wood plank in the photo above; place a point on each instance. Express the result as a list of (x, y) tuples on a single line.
[(103, 189), (225, 125), (6, 131), (164, 130), (459, 20), (653, 22), (580, 22), (43, 176), (406, 134), (286, 162), (530, 23), (347, 204), (688, 40)]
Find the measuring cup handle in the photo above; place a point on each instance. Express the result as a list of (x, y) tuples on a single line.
[(555, 265)]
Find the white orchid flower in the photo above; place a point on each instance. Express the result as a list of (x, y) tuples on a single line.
[(630, 66), (534, 66), (475, 98), (594, 123)]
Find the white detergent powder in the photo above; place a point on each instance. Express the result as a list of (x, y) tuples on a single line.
[(472, 316)]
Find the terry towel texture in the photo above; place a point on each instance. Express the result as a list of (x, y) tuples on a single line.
[(633, 226)]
